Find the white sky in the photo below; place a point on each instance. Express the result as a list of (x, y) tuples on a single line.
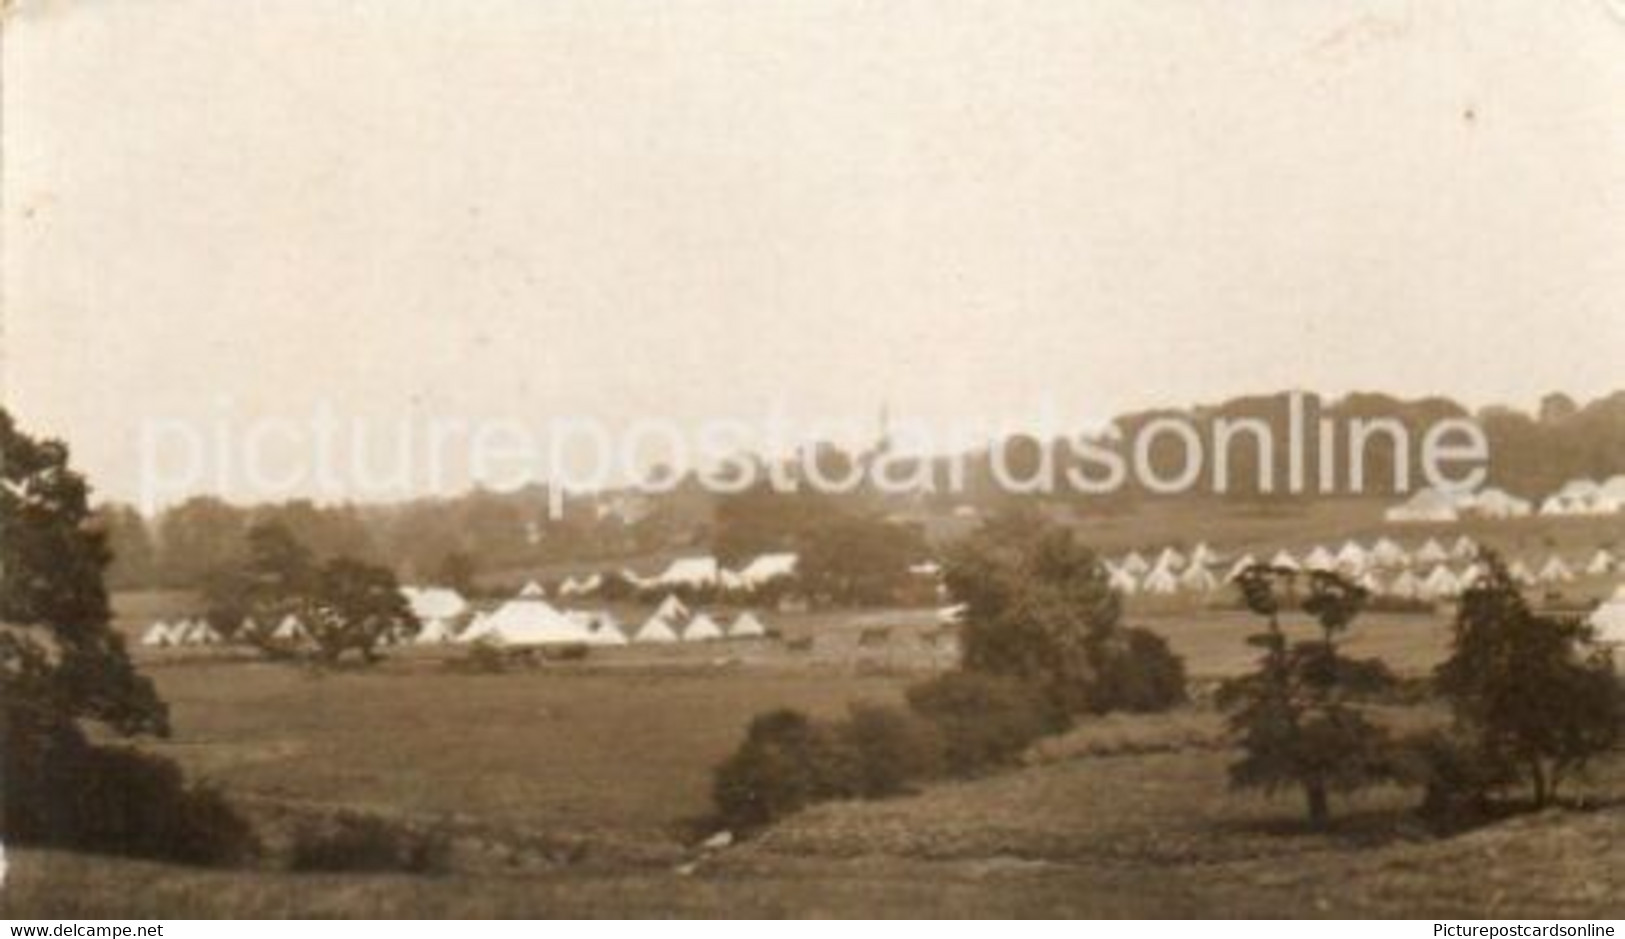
[(618, 208)]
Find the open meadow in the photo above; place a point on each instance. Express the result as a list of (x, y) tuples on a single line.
[(583, 789)]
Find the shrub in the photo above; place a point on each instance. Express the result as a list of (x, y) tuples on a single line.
[(984, 720), (785, 763), (1038, 607), (1138, 673), (351, 841), (889, 748), (61, 790)]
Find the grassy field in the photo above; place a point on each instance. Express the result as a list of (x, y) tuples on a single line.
[(1095, 829), (579, 790)]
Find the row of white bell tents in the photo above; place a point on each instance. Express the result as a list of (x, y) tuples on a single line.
[(1439, 581), (1586, 497), (529, 619), (186, 632), (1352, 558), (699, 627), (1384, 553), (695, 572)]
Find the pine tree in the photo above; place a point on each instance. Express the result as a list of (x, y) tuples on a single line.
[(1297, 716)]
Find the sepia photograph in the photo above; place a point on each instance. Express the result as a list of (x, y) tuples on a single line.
[(812, 459)]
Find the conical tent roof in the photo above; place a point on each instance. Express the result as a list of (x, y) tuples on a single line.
[(1319, 559), (1242, 563), (1555, 571), (701, 628), (1203, 555), (1198, 578), (1432, 552), (289, 629), (1284, 558), (1601, 563), (655, 629), (1440, 582), (1520, 573), (203, 634), (1171, 560), (1123, 582), (1160, 581), (1388, 553), (672, 609), (1352, 555), (158, 634), (532, 591), (746, 626), (1135, 563), (183, 631), (1465, 549), (1406, 585)]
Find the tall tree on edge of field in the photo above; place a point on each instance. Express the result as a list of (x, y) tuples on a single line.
[(59, 653), (1535, 693), (1297, 715)]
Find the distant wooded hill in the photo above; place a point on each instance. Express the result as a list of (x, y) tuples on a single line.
[(1530, 455)]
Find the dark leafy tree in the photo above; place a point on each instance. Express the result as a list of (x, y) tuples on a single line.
[(62, 665), (200, 536), (1298, 715), (128, 538), (58, 650), (344, 605), (276, 568), (858, 561), (355, 606), (763, 519), (1536, 694), (1039, 608)]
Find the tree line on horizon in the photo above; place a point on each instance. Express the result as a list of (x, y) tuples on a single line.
[(1531, 455)]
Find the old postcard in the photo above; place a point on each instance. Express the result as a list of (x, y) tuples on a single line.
[(1067, 459)]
